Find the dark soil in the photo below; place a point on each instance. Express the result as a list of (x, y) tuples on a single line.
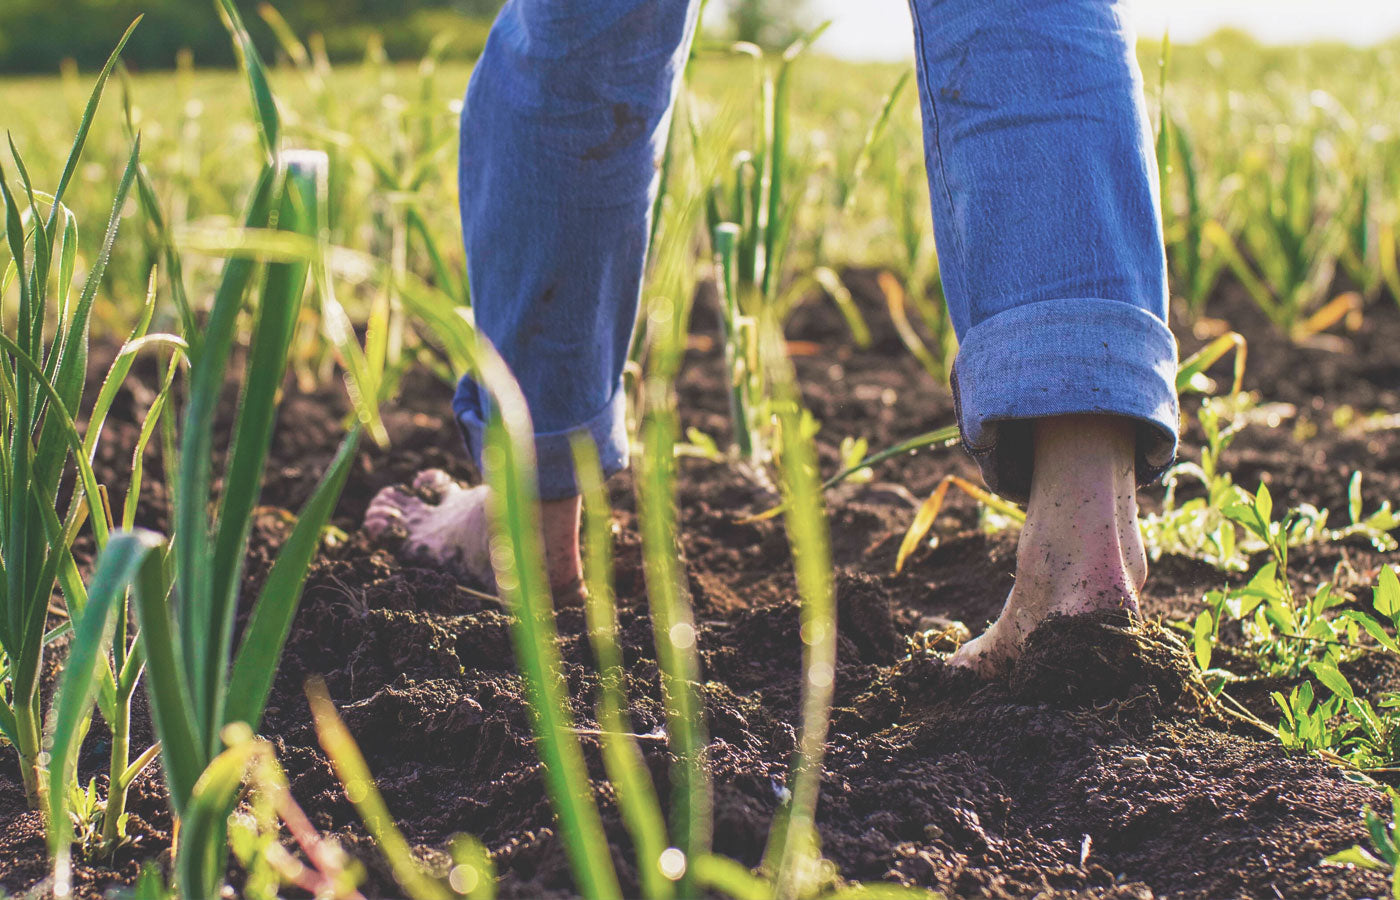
[(1097, 768)]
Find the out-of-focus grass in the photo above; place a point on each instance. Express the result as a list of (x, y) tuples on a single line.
[(1241, 112)]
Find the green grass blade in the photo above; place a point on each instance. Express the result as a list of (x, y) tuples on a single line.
[(622, 757), (811, 551), (8, 725), (72, 351), (174, 268), (353, 772), (18, 527), (193, 556), (167, 686), (250, 681), (286, 37), (136, 341), (283, 289), (73, 322), (24, 614), (264, 106), (43, 253), (360, 382), (454, 285), (138, 453), (86, 123), (778, 223), (947, 436), (872, 137), (14, 234), (59, 566), (1261, 292), (725, 238), (524, 584), (730, 879), (116, 570), (1197, 363), (449, 324), (830, 282), (203, 849), (673, 624), (67, 263), (67, 429), (941, 438), (518, 557)]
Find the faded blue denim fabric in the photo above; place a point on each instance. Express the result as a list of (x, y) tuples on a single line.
[(1041, 172), (563, 130), (1043, 181)]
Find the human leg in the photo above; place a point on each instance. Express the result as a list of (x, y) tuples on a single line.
[(1044, 193), (562, 130)]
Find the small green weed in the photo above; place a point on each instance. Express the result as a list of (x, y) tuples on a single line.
[(1384, 855)]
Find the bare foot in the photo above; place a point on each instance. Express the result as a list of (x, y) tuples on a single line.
[(1080, 549), (452, 528)]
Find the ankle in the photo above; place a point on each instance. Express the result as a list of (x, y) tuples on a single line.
[(1081, 535), (1070, 561), (559, 527)]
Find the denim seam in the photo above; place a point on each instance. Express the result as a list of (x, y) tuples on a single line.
[(1161, 428), (550, 471), (978, 451)]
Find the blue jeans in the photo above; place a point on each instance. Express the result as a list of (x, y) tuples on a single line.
[(1041, 172)]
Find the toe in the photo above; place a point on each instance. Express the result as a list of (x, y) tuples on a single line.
[(379, 518), (435, 481), (984, 655), (387, 507), (393, 497)]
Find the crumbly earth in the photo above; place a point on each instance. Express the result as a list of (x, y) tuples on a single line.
[(1096, 769)]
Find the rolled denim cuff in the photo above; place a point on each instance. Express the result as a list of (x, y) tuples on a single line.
[(1063, 357), (554, 455)]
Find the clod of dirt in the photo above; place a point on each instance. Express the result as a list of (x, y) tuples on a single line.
[(866, 616), (1098, 657)]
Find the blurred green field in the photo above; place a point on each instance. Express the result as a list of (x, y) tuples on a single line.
[(1293, 152)]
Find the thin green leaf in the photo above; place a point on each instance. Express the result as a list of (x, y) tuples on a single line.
[(729, 878), (254, 667), (116, 570), (264, 106), (1373, 628), (168, 686), (193, 556), (73, 349), (805, 519), (354, 774), (1381, 837), (85, 124), (200, 858), (622, 757), (1331, 678), (283, 288), (518, 557), (1387, 597), (1359, 857)]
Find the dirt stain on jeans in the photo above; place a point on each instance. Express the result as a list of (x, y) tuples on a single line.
[(628, 126)]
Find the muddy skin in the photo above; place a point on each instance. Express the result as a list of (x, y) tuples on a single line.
[(1080, 550), (1091, 771)]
